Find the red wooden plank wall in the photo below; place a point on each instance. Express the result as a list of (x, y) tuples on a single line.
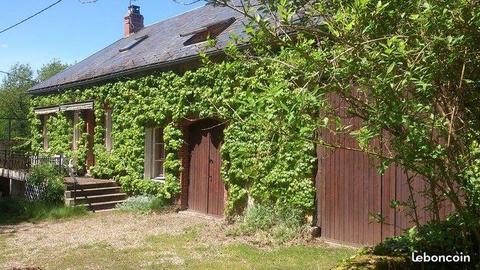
[(350, 191)]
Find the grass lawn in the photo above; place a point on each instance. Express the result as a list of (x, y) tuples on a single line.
[(117, 240), (14, 211)]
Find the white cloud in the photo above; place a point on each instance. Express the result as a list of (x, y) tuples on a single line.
[(3, 46)]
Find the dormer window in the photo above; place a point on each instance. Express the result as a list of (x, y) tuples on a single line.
[(208, 31)]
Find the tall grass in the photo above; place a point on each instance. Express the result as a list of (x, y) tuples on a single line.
[(143, 204), (16, 210), (278, 224)]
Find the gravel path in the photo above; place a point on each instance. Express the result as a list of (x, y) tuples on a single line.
[(185, 240), (28, 242)]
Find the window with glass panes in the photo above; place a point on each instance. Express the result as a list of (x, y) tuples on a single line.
[(158, 153)]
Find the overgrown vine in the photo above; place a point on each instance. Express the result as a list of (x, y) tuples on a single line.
[(266, 152)]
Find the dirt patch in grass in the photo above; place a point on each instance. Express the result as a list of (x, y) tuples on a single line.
[(116, 240)]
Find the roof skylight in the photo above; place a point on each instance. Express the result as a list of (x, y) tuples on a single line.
[(133, 43)]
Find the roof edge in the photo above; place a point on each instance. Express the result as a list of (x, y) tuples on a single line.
[(127, 72)]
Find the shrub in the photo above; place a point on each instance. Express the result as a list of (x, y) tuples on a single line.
[(258, 218), (142, 204), (55, 191), (51, 178), (41, 173), (362, 262), (280, 223), (446, 237), (437, 237)]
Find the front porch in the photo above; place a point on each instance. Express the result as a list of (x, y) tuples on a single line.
[(15, 167), (94, 194), (80, 119)]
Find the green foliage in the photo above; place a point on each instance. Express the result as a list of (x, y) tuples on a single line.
[(14, 129), (16, 211), (142, 204), (446, 237), (437, 237), (267, 150), (48, 70), (375, 262), (15, 101), (407, 70), (55, 191), (281, 223), (20, 77), (51, 177), (42, 173)]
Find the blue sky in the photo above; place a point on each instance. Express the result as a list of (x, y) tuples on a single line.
[(70, 31)]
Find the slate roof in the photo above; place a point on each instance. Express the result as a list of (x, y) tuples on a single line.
[(163, 47)]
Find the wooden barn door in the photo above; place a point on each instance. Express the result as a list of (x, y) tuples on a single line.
[(352, 197), (206, 189)]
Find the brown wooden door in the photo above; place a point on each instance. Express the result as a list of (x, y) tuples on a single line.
[(206, 189)]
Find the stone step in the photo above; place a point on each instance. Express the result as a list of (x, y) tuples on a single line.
[(96, 198), (95, 195), (94, 207), (92, 192), (104, 184)]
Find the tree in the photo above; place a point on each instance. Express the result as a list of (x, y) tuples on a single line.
[(14, 98), (407, 69), (50, 69), (13, 91), (14, 101)]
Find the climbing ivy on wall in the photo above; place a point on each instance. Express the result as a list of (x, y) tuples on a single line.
[(267, 153), (60, 129)]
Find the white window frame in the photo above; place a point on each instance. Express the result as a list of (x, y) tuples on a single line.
[(149, 169)]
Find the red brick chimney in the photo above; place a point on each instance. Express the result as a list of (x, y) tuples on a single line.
[(133, 20)]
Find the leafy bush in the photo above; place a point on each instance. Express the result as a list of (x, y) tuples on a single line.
[(435, 238), (48, 175), (142, 204), (55, 191), (256, 160), (279, 223), (15, 211), (439, 237), (41, 173), (139, 186), (362, 262)]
